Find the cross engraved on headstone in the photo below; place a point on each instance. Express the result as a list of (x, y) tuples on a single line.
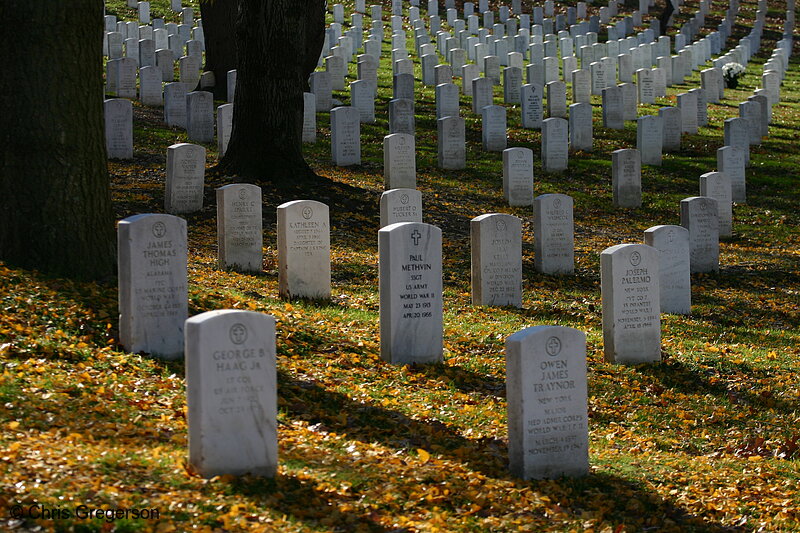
[(238, 333), (553, 346), (159, 229), (416, 236)]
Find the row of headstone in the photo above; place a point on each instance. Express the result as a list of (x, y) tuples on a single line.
[(493, 138), (232, 389), (153, 257), (232, 353)]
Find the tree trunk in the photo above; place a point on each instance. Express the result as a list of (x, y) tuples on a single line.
[(278, 44), (219, 18), (663, 20), (54, 186)]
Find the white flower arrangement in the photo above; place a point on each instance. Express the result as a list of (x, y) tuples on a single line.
[(731, 72)]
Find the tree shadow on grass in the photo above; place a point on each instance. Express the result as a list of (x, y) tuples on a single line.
[(488, 456), (370, 423), (300, 500), (680, 377)]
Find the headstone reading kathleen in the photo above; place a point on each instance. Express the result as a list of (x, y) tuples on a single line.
[(304, 250)]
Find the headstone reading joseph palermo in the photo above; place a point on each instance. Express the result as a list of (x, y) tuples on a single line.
[(629, 285)]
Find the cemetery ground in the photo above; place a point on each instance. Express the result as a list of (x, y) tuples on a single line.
[(708, 439)]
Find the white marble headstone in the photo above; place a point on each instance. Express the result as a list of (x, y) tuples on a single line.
[(401, 116), (175, 104), (580, 127), (518, 176), (410, 278), (612, 108), (496, 260), (153, 298), (345, 136), (239, 227), (631, 303), (555, 144), (717, 185), (452, 150), (224, 127), (699, 216), (532, 106), (675, 288), (687, 103), (554, 233), (118, 114), (493, 128), (649, 136), (200, 116), (186, 166), (546, 392), (150, 92), (399, 161), (730, 160), (671, 128), (309, 118), (304, 250), (231, 390), (400, 205), (626, 178)]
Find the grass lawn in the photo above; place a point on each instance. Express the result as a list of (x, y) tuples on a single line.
[(706, 440)]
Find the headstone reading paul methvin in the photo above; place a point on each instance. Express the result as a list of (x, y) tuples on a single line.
[(410, 287)]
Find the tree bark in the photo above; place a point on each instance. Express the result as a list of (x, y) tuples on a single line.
[(663, 19), (54, 186), (278, 45), (219, 18)]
